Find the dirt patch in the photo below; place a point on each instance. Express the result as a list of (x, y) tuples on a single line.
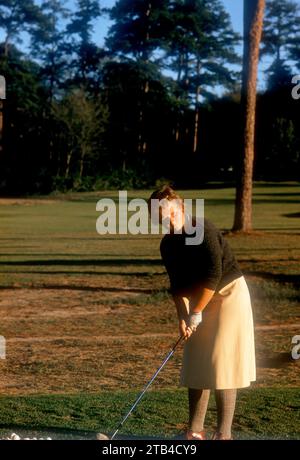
[(278, 326), (68, 341), (25, 201)]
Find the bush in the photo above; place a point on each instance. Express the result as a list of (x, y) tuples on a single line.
[(62, 184), (118, 179)]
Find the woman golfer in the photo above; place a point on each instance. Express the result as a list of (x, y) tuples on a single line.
[(215, 317)]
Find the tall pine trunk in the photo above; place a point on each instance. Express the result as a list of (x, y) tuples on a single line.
[(196, 119), (253, 24), (82, 158), (68, 163), (6, 46), (177, 115), (1, 126), (142, 144)]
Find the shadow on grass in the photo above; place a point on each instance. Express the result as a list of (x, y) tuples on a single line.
[(83, 262), (276, 200), (85, 238), (72, 287), (292, 215), (262, 193), (277, 277), (275, 361), (64, 272)]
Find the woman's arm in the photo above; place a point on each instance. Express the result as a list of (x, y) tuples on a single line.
[(182, 313), (198, 302), (188, 321), (181, 308), (200, 299)]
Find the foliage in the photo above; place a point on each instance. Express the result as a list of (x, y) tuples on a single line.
[(146, 105), (281, 38)]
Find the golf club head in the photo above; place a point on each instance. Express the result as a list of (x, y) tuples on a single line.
[(102, 437)]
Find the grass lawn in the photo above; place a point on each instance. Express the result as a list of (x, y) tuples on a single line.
[(260, 413), (87, 318)]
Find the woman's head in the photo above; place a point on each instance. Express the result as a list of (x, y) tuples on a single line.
[(164, 192), (166, 205)]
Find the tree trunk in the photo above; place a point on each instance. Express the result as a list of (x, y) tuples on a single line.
[(69, 158), (179, 72), (196, 122), (142, 144), (81, 165), (1, 126), (177, 120), (6, 46), (253, 24)]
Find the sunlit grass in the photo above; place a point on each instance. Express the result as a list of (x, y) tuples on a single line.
[(85, 313)]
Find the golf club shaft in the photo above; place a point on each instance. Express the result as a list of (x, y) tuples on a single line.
[(147, 386)]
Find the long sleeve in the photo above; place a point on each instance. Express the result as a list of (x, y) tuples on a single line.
[(212, 260), (210, 264)]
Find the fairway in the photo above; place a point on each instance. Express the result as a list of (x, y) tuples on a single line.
[(88, 314)]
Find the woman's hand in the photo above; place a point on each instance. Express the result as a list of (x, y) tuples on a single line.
[(184, 330)]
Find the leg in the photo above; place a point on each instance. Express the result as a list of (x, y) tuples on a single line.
[(225, 400), (198, 402)]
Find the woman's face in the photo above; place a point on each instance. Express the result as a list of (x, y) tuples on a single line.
[(172, 214)]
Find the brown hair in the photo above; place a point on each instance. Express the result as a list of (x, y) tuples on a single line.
[(164, 192)]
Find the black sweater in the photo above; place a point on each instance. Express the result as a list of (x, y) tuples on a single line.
[(210, 264)]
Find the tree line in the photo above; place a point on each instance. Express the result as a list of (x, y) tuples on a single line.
[(160, 100)]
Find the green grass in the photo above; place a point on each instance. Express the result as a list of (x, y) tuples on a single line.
[(75, 305), (263, 413)]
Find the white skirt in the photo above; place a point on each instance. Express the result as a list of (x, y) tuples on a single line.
[(220, 354)]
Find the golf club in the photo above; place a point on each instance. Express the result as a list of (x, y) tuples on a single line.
[(102, 436)]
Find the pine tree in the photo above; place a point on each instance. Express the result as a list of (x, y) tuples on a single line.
[(191, 38), (200, 44), (136, 32), (136, 36), (253, 24), (48, 44), (23, 143), (281, 33), (87, 56), (17, 16)]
